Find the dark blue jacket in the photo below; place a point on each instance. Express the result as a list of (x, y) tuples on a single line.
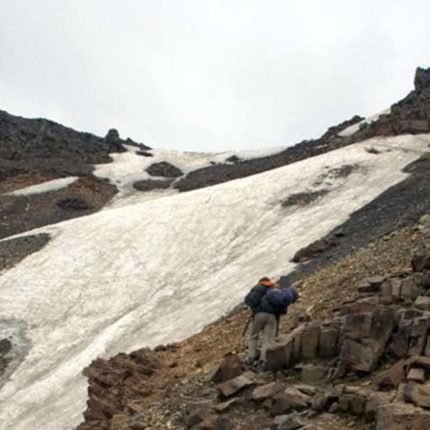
[(257, 300)]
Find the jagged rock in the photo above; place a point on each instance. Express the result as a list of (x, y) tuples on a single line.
[(147, 360), (410, 314), (297, 334), (288, 422), (416, 374), (314, 249), (112, 136), (410, 290), (309, 390), (370, 285), (354, 400), (138, 425), (125, 373), (296, 399), (214, 423), (365, 335), (312, 374), (419, 361), (417, 394), (119, 422), (400, 416), (233, 159), (319, 402), (233, 386), (197, 412), (222, 407), (328, 343), (74, 204), (164, 169), (310, 340), (152, 184), (399, 344), (420, 263), (279, 356), (427, 348), (374, 402), (396, 285), (422, 79), (418, 335), (422, 302), (392, 377), (230, 367), (268, 390), (413, 126), (144, 153)]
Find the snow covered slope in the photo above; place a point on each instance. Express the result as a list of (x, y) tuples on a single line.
[(158, 271), (129, 167)]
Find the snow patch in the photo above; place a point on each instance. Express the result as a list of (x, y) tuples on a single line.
[(349, 131), (44, 187)]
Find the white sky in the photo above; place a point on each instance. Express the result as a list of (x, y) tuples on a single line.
[(209, 75)]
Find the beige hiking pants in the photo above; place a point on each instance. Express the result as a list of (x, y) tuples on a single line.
[(266, 323)]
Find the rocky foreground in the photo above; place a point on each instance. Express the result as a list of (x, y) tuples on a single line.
[(360, 359)]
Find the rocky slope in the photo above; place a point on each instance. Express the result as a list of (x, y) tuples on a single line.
[(346, 368), (179, 390)]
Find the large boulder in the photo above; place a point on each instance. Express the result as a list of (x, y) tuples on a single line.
[(230, 367), (400, 416), (233, 386), (417, 394), (364, 334), (392, 377), (420, 263), (280, 355), (422, 79), (164, 169)]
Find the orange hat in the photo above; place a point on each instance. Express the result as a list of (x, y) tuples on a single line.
[(267, 282)]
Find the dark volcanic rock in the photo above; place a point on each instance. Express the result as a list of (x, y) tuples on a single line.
[(303, 199), (22, 213), (12, 251), (421, 263), (73, 204), (42, 145), (144, 153), (314, 249), (115, 383), (230, 367), (150, 185), (335, 130), (422, 79), (164, 169), (400, 416)]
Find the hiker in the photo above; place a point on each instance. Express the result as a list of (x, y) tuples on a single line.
[(267, 301)]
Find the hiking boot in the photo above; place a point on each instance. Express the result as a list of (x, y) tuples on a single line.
[(261, 366)]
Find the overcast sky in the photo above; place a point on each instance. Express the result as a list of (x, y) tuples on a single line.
[(209, 75)]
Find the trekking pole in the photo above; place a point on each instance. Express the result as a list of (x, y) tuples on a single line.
[(246, 325)]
